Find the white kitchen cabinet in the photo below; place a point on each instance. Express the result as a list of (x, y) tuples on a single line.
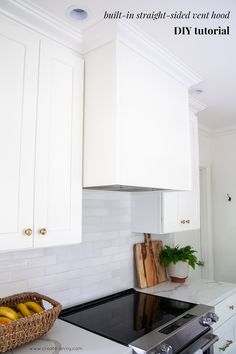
[(18, 96), (136, 125), (58, 169), (227, 337), (225, 309), (40, 140), (166, 212), (225, 328)]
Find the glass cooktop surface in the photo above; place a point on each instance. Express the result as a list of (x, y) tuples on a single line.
[(126, 316)]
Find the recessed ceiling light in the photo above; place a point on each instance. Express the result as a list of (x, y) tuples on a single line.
[(195, 91), (78, 14), (198, 91)]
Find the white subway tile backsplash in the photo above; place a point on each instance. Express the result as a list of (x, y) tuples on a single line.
[(91, 279), (5, 277), (29, 273), (45, 280), (119, 241), (67, 297), (42, 261), (126, 234), (98, 236), (101, 264), (125, 203), (58, 268), (13, 264), (95, 212), (21, 255), (122, 256), (100, 244), (49, 288), (121, 211), (10, 287), (101, 260), (87, 219), (114, 250)]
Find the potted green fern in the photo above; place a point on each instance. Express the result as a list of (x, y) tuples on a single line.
[(177, 261)]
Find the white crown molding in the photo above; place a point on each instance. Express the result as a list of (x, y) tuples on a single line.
[(32, 16), (196, 105), (204, 131), (29, 14), (224, 131), (216, 133), (131, 35)]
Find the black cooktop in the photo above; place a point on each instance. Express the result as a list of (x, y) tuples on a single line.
[(125, 316)]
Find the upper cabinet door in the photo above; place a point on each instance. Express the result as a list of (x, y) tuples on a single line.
[(18, 97), (181, 210), (58, 184)]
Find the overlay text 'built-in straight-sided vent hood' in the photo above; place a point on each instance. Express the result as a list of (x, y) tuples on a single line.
[(136, 115)]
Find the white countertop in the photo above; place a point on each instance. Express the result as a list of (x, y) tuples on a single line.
[(207, 292), (65, 338)]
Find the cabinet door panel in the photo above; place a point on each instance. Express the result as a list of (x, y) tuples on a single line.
[(181, 210), (171, 208), (58, 149), (226, 309), (227, 339), (18, 93)]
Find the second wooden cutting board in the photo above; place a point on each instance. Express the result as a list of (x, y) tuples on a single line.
[(149, 270)]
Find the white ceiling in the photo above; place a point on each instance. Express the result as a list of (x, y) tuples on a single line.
[(213, 57)]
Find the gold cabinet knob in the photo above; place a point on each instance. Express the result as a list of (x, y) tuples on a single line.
[(187, 221), (28, 232), (231, 307), (182, 221), (43, 232)]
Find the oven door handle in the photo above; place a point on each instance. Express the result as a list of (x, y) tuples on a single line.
[(214, 339), (204, 343)]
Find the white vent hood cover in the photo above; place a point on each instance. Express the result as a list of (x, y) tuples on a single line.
[(136, 120)]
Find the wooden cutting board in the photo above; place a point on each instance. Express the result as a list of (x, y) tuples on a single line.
[(149, 270)]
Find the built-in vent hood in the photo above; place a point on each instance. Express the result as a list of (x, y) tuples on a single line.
[(136, 116)]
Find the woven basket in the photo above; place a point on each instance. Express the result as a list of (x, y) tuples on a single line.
[(27, 329)]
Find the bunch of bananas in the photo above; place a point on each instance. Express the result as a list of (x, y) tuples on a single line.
[(21, 310)]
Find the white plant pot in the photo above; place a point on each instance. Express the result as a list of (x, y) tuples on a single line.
[(178, 272)]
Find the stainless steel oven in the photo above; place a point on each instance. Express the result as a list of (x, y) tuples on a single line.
[(204, 344), (147, 323)]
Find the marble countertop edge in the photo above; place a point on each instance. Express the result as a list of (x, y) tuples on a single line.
[(204, 291)]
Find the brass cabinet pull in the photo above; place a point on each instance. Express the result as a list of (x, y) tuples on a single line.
[(231, 307), (228, 343), (28, 232), (185, 221), (43, 231)]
